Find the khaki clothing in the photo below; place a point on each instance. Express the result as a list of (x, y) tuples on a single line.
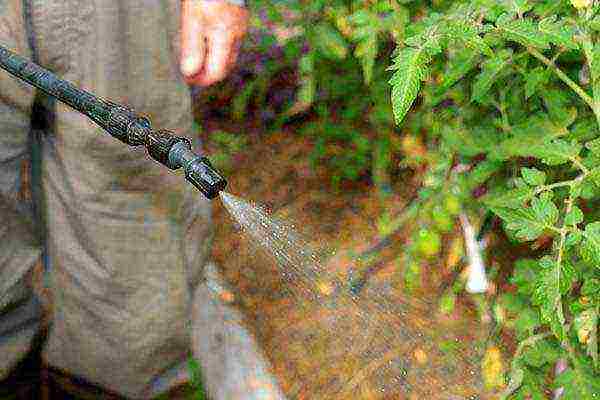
[(127, 239)]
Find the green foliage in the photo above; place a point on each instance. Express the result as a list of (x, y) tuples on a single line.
[(409, 72), (497, 109), (530, 101)]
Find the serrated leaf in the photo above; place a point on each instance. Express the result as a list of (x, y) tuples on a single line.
[(410, 66), (523, 31), (486, 78), (510, 199), (545, 210), (469, 34), (547, 290), (522, 221), (530, 222), (556, 152), (574, 217), (590, 247), (558, 33), (568, 276), (533, 177), (535, 79)]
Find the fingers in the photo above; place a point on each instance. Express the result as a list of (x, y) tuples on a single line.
[(221, 46), (193, 47), (211, 35)]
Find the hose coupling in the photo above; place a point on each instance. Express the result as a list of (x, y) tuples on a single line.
[(198, 169)]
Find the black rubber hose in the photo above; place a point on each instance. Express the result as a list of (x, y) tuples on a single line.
[(121, 122)]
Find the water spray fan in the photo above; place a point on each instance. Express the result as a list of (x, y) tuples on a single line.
[(121, 122)]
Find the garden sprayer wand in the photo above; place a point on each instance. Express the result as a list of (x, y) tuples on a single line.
[(122, 123)]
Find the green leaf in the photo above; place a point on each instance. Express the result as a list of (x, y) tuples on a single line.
[(365, 36), (573, 238), (591, 288), (578, 383), (529, 223), (568, 276), (547, 290), (489, 71), (468, 33), (330, 42), (557, 33), (510, 199), (594, 176), (556, 152), (533, 177), (517, 6), (410, 66), (557, 103), (545, 210), (534, 79), (594, 146), (532, 388), (523, 31), (458, 67), (590, 248), (594, 61), (482, 172), (541, 353), (524, 275), (308, 85), (574, 217), (367, 51)]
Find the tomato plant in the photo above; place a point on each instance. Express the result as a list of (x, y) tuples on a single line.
[(496, 105)]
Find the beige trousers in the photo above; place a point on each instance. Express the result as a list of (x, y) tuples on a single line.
[(127, 240)]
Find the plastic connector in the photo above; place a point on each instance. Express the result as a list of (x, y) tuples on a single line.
[(198, 170)]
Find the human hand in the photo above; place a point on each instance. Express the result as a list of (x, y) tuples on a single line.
[(211, 34)]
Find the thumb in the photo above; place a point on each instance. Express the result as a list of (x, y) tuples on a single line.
[(192, 40)]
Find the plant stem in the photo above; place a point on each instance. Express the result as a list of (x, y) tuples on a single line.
[(559, 258), (580, 165), (571, 182), (563, 77)]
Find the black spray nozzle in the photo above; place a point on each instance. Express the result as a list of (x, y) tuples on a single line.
[(121, 122), (198, 170)]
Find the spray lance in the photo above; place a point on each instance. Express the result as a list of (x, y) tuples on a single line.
[(122, 123)]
